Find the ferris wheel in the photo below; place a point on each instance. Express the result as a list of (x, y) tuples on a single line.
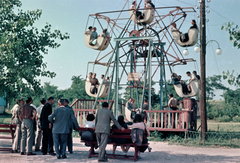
[(136, 44)]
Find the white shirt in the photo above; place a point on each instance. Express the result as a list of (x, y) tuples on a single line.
[(133, 7), (15, 110), (88, 79), (192, 77), (39, 110), (89, 124)]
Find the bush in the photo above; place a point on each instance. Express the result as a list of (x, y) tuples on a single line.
[(224, 118), (236, 119)]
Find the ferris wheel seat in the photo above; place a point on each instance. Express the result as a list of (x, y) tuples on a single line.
[(148, 16), (101, 42), (104, 91), (194, 89), (192, 38)]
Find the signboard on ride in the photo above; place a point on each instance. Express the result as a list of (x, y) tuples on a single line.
[(133, 76)]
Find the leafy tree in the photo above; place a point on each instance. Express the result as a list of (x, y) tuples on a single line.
[(214, 83), (234, 33), (232, 97), (22, 48), (231, 78), (77, 89)]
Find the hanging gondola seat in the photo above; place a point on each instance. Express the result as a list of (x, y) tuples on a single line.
[(104, 91), (194, 89), (102, 42), (192, 38), (148, 16)]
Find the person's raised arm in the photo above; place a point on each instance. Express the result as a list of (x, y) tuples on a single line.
[(74, 120)]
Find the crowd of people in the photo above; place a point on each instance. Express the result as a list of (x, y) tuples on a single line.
[(54, 128), (94, 82), (94, 35), (186, 87)]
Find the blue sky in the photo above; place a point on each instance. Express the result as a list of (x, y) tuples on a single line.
[(71, 16)]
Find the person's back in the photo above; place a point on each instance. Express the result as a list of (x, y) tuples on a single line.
[(173, 102), (102, 129), (61, 123), (89, 123), (46, 111), (103, 120)]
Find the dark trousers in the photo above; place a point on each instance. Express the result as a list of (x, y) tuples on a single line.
[(47, 141), (69, 142), (60, 143)]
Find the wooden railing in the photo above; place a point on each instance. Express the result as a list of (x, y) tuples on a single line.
[(169, 120), (159, 120), (83, 107)]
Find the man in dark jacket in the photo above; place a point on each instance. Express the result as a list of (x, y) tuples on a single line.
[(47, 141)]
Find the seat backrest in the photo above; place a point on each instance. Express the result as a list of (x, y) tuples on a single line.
[(8, 128)]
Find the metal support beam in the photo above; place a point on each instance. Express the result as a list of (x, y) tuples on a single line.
[(150, 75), (134, 38), (116, 79)]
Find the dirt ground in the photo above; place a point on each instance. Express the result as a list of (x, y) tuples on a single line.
[(161, 152)]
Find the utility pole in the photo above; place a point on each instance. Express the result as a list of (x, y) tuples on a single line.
[(203, 69)]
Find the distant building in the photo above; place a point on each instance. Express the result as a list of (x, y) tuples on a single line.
[(2, 105)]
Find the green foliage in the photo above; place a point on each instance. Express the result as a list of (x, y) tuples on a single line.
[(222, 112), (22, 48), (213, 83), (224, 118), (234, 33), (236, 119), (231, 78), (232, 97)]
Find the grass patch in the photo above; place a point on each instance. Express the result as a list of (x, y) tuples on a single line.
[(5, 118)]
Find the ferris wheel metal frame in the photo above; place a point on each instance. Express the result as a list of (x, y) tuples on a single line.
[(154, 45)]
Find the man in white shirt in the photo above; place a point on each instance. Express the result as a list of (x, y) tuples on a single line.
[(89, 30), (192, 77), (39, 131), (102, 78), (18, 133)]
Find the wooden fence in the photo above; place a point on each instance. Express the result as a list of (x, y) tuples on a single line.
[(160, 120)]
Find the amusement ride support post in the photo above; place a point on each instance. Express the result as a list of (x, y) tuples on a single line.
[(150, 75), (145, 75), (99, 90), (131, 71), (116, 79), (203, 70), (161, 82)]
